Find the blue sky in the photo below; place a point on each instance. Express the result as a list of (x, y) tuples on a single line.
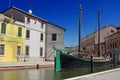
[(65, 14)]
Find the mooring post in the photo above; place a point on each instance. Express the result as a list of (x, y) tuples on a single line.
[(37, 66), (54, 64), (91, 63), (114, 59)]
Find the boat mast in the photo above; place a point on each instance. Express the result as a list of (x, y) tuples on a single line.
[(79, 27), (98, 33)]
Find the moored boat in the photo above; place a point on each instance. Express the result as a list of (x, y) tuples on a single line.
[(64, 61)]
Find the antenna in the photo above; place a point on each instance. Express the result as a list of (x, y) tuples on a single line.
[(9, 3), (30, 11)]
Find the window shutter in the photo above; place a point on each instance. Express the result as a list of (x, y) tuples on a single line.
[(19, 31), (3, 29)]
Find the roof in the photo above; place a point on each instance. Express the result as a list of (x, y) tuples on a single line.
[(112, 34), (27, 13), (100, 29)]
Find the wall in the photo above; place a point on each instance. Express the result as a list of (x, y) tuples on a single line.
[(34, 42), (11, 41), (104, 32), (59, 43), (113, 45), (90, 42)]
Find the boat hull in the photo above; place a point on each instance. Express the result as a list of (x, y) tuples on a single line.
[(74, 62), (64, 61)]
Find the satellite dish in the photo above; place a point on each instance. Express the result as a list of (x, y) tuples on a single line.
[(30, 11)]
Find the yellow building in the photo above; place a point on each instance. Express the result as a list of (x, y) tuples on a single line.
[(12, 42)]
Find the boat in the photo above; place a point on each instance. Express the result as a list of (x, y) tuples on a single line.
[(64, 60)]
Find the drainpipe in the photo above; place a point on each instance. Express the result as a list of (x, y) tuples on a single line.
[(46, 42)]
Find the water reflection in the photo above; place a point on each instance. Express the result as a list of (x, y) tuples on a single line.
[(31, 74), (47, 74)]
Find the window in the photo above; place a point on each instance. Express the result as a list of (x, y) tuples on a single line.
[(18, 50), (3, 28), (107, 46), (28, 20), (2, 49), (27, 50), (42, 25), (27, 34), (115, 45), (110, 46), (35, 22), (54, 37), (41, 51), (102, 47), (112, 31), (41, 37), (19, 32)]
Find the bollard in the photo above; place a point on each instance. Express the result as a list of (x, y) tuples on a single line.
[(37, 66), (114, 60), (91, 63), (54, 64)]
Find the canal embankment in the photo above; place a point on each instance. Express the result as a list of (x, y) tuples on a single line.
[(113, 74), (25, 65)]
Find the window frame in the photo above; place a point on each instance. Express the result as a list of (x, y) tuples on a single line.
[(3, 28), (3, 50), (54, 37), (27, 52), (19, 31), (27, 34), (18, 54), (41, 37), (28, 20), (41, 51), (42, 25)]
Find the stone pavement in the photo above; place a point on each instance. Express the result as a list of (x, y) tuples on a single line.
[(105, 75), (25, 65)]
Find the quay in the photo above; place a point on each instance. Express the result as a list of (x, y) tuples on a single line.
[(113, 74), (25, 65)]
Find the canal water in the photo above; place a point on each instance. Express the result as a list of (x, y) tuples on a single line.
[(46, 73)]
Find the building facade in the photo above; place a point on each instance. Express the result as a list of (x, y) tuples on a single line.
[(112, 43), (89, 44), (54, 38), (35, 38), (12, 41), (37, 43)]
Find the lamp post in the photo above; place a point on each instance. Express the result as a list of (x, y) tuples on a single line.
[(9, 3)]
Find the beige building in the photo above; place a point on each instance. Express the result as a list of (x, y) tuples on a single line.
[(113, 45), (89, 44)]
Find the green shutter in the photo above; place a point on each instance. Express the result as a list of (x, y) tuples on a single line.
[(19, 31), (3, 28)]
